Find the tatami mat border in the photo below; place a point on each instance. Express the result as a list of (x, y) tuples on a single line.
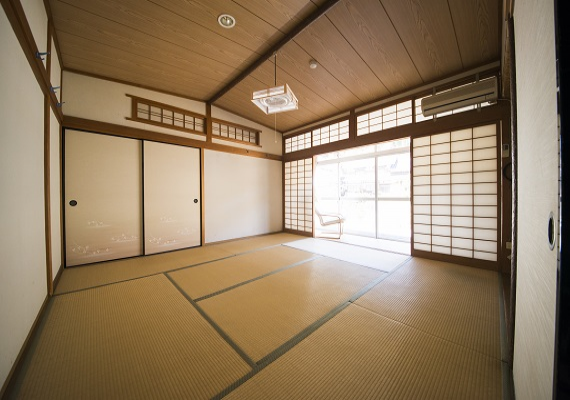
[(256, 278), (220, 331)]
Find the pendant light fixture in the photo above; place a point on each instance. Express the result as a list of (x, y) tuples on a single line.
[(276, 99)]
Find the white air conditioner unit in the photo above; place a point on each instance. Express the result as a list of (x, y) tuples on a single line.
[(469, 95)]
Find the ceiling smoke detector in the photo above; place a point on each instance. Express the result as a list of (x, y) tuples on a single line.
[(226, 21), (275, 99)]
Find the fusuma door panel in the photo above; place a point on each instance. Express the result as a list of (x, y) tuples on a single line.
[(102, 197), (171, 197)]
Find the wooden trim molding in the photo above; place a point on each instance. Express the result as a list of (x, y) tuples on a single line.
[(494, 113), (470, 262), (135, 133), (209, 123), (47, 194), (202, 197), (17, 17), (300, 233)]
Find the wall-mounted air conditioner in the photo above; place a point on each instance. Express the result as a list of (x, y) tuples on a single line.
[(475, 93)]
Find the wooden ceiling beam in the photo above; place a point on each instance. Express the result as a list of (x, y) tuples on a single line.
[(319, 12)]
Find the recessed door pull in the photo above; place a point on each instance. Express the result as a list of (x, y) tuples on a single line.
[(73, 203), (195, 200), (551, 231)]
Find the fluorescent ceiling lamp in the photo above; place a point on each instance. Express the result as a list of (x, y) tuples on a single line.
[(275, 100)]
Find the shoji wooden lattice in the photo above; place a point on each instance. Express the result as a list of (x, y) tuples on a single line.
[(299, 195), (455, 193)]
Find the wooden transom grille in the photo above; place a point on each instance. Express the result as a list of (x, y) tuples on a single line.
[(233, 132), (159, 114), (299, 195), (455, 193)]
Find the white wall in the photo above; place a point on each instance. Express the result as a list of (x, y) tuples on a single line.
[(23, 267), (243, 196), (55, 73), (37, 19), (538, 190), (106, 101)]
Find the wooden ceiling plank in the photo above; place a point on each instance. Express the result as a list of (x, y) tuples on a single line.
[(284, 120), (295, 60), (311, 105), (243, 92), (331, 50), (282, 15), (250, 31), (426, 29), (277, 46), (477, 27), (146, 17), (266, 75), (92, 67), (110, 56), (368, 29), (74, 21)]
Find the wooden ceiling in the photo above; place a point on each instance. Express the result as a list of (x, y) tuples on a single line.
[(366, 49)]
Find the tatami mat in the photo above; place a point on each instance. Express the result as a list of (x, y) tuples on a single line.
[(426, 330), (87, 276), (263, 315), (78, 278), (382, 260), (243, 245), (134, 340), (452, 302), (209, 278), (361, 355)]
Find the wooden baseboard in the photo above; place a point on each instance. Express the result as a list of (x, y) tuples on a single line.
[(470, 262), (7, 387), (241, 238), (57, 277)]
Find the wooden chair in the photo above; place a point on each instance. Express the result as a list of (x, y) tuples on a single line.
[(330, 219)]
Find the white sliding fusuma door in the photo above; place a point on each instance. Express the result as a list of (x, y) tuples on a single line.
[(102, 197), (171, 197), (455, 193)]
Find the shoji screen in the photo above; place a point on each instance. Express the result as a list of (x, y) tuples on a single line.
[(102, 197), (455, 193), (299, 195), (171, 197)]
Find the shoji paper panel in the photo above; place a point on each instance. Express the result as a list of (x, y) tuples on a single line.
[(456, 193), (171, 197), (299, 195)]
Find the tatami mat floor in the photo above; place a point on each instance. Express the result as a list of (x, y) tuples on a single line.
[(255, 319)]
